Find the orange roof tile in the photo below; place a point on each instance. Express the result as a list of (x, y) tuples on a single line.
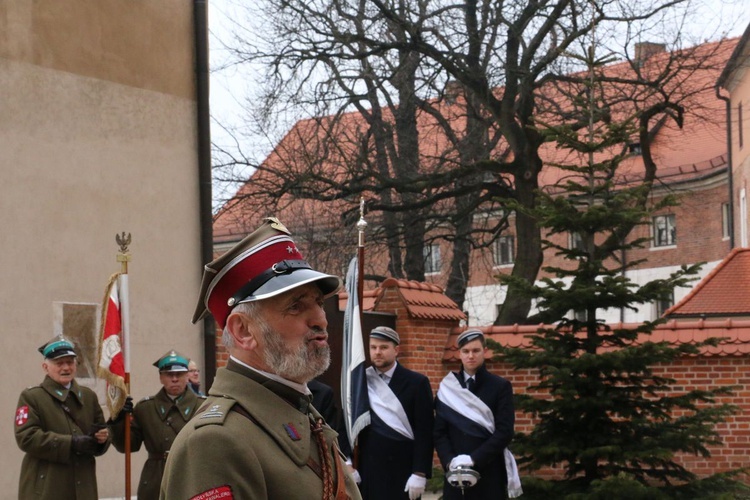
[(722, 292), (425, 300), (735, 336), (368, 302)]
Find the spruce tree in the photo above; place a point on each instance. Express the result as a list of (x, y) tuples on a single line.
[(609, 420)]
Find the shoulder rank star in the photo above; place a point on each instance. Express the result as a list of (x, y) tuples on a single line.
[(212, 412)]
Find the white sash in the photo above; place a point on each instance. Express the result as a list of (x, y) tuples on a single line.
[(466, 403), (386, 405)]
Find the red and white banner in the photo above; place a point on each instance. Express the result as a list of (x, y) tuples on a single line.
[(111, 358)]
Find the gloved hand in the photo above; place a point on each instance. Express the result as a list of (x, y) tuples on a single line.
[(461, 460), (355, 474), (415, 486), (84, 445), (127, 408)]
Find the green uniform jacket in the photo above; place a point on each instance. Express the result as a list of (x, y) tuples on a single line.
[(156, 422), (44, 431), (222, 453)]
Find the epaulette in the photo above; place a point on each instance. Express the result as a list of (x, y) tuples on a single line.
[(146, 399), (214, 413)]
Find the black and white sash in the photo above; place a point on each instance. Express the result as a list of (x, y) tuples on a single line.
[(460, 407), (385, 404)]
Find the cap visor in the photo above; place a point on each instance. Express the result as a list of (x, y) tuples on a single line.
[(284, 282)]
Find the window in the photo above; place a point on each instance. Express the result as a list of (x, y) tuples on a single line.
[(665, 232), (634, 148), (432, 259), (725, 229), (505, 250), (575, 242), (663, 304)]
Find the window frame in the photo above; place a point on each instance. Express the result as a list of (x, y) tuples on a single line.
[(670, 223), (432, 259), (507, 242)]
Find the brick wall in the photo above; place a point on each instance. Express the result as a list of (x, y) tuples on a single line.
[(423, 345)]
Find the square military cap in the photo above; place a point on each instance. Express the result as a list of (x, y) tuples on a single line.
[(385, 333), (469, 335), (172, 361), (264, 264), (58, 347)]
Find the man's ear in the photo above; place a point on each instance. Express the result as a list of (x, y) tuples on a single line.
[(243, 335)]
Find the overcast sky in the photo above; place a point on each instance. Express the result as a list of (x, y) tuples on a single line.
[(232, 85)]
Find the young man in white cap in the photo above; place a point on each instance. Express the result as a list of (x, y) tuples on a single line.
[(395, 450), (257, 436), (60, 427), (474, 419), (157, 419)]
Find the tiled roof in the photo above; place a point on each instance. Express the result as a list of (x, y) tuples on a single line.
[(722, 292), (692, 152), (368, 300), (425, 300), (735, 336)]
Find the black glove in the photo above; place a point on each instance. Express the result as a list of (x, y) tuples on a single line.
[(84, 445), (127, 408)]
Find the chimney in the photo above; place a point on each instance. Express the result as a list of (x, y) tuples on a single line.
[(644, 51)]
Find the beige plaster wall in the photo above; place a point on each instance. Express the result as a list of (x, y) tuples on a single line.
[(92, 146)]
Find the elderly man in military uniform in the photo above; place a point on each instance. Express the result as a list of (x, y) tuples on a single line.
[(157, 419), (474, 419), (258, 436), (60, 428), (397, 445)]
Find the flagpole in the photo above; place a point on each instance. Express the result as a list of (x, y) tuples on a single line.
[(123, 257), (361, 227)]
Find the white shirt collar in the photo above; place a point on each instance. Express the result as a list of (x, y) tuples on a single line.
[(301, 388), (389, 372)]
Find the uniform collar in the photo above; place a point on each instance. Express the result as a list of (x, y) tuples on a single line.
[(183, 403), (301, 388), (286, 389), (60, 392)]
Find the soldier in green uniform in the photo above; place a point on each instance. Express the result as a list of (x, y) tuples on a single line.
[(258, 436), (60, 428), (157, 420)]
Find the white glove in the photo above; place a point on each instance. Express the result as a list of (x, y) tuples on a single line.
[(415, 486), (461, 460), (356, 476)]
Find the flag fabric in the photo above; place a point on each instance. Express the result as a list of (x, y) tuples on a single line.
[(354, 400), (111, 365)]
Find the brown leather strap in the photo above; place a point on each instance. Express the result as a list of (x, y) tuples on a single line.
[(325, 457), (341, 493)]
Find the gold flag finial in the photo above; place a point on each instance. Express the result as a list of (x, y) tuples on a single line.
[(123, 241)]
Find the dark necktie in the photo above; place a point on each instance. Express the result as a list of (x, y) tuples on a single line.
[(470, 384)]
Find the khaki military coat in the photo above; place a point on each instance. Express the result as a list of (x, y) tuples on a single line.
[(155, 423), (44, 432), (261, 454)]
